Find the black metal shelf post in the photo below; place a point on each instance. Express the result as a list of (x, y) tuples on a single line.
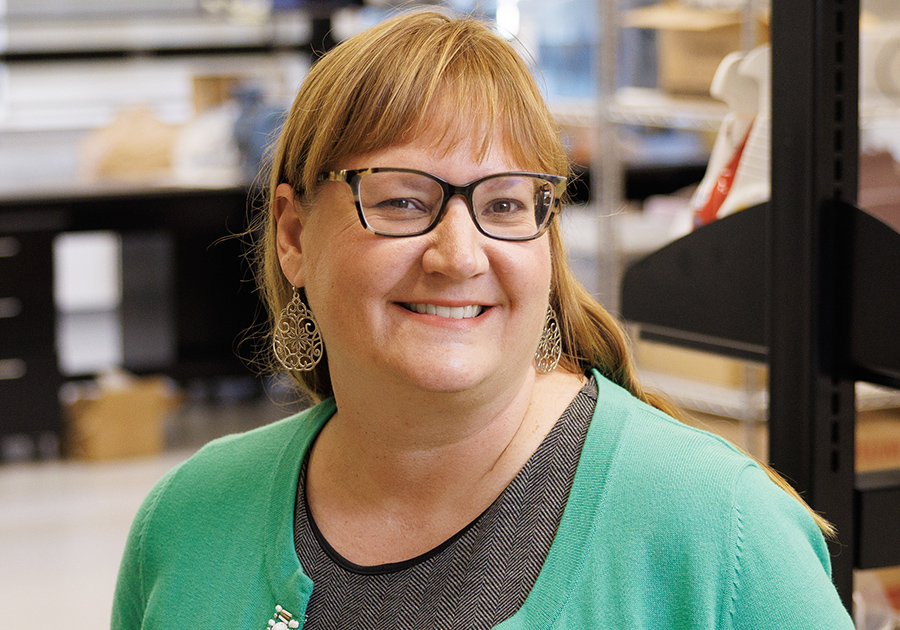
[(815, 96)]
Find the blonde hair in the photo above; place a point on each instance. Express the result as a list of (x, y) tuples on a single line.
[(390, 84)]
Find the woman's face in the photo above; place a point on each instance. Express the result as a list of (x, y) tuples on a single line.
[(364, 289)]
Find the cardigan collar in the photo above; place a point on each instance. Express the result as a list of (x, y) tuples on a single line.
[(289, 585)]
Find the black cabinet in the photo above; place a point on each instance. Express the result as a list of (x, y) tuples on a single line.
[(29, 379), (188, 296)]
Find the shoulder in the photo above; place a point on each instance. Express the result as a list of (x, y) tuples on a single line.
[(220, 508), (228, 483), (694, 476), (668, 487), (692, 507), (216, 509), (680, 491), (652, 448), (249, 455)]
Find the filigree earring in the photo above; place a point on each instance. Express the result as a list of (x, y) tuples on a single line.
[(549, 350), (297, 343)]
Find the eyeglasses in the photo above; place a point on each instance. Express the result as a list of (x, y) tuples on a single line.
[(397, 202)]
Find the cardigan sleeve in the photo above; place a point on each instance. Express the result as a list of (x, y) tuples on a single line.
[(782, 570), (130, 599)]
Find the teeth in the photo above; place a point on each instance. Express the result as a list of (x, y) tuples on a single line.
[(450, 312)]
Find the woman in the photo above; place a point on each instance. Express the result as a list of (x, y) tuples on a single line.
[(482, 454)]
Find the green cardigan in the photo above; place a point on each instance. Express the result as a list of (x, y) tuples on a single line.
[(665, 527)]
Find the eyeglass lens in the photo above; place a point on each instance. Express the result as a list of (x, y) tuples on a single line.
[(402, 203)]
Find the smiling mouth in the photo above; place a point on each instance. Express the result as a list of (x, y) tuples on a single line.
[(450, 312)]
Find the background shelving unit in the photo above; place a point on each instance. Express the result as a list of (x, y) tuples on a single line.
[(620, 106), (183, 303), (806, 283), (652, 108)]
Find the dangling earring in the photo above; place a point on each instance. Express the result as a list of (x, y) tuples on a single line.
[(297, 343), (549, 350)]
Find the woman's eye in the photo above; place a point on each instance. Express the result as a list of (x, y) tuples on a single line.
[(401, 203), (504, 206)]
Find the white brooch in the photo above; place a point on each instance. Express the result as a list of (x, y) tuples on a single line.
[(282, 620)]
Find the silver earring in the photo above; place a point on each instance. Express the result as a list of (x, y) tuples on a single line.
[(297, 343), (549, 350)]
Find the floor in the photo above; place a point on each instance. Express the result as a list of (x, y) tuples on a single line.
[(62, 530)]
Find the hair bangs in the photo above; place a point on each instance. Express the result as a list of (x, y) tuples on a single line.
[(456, 83)]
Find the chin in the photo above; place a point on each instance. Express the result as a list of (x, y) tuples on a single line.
[(449, 376), (447, 382)]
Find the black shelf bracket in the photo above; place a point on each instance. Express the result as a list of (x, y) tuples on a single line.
[(707, 290)]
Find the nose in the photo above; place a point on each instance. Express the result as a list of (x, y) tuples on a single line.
[(455, 247)]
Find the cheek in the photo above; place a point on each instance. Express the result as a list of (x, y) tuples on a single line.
[(532, 273), (546, 266), (328, 244), (542, 274), (349, 276)]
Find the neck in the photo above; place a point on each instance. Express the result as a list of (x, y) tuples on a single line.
[(399, 434), (394, 474)]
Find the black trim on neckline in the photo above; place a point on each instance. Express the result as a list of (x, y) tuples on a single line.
[(380, 569)]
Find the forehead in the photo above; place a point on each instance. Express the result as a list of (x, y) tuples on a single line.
[(453, 120), (457, 159), (444, 132)]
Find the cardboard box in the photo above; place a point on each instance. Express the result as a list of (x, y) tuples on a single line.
[(877, 440), (877, 429), (691, 43), (879, 185), (135, 146), (752, 437), (117, 418), (889, 579), (696, 365), (213, 91)]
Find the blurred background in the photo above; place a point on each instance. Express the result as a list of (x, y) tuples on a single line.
[(132, 135)]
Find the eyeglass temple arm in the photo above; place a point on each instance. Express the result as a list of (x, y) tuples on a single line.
[(332, 176)]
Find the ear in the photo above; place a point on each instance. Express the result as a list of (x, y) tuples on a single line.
[(290, 218)]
